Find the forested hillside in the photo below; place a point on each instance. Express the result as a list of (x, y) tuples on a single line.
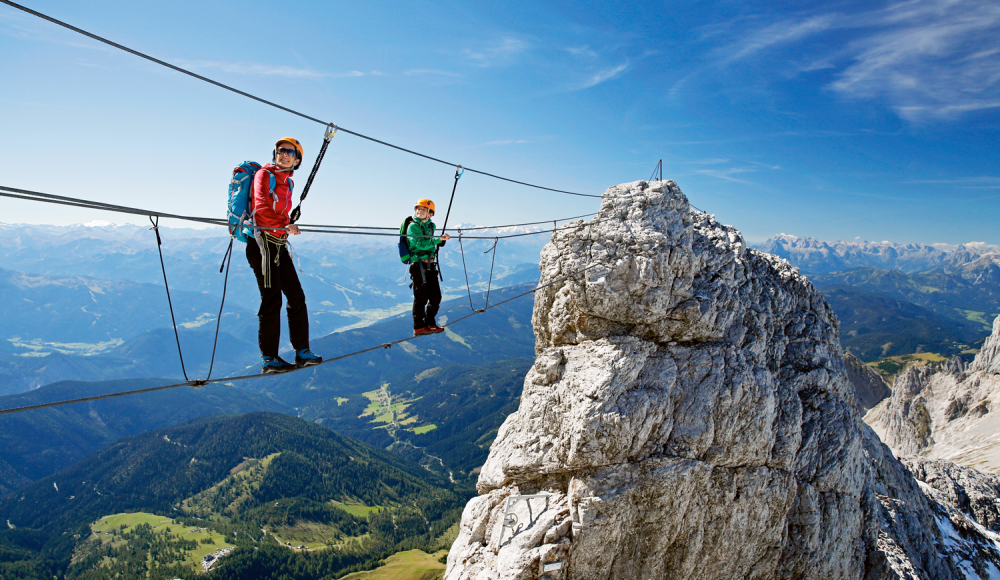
[(35, 444), (359, 503)]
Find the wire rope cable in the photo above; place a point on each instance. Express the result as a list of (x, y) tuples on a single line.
[(489, 284), (159, 249), (271, 103), (331, 130), (227, 259), (27, 195), (458, 175), (203, 382), (464, 229)]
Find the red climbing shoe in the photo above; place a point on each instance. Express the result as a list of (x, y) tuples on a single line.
[(420, 331), (435, 328)]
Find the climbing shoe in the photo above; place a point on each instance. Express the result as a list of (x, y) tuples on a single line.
[(421, 331), (435, 328), (306, 358), (275, 364)]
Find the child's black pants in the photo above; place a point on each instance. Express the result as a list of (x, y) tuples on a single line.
[(426, 294)]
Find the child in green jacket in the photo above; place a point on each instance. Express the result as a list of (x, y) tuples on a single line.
[(423, 269)]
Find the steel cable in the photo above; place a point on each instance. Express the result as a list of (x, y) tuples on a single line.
[(202, 382), (270, 103), (24, 194)]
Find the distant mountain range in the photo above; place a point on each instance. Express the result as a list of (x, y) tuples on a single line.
[(85, 289), (895, 299), (814, 256)]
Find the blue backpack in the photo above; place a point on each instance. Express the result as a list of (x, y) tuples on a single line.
[(240, 192)]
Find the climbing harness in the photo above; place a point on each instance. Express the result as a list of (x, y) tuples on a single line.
[(489, 285), (331, 130)]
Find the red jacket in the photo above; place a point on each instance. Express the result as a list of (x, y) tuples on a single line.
[(271, 209)]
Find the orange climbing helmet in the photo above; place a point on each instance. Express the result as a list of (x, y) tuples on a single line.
[(425, 203), (292, 141)]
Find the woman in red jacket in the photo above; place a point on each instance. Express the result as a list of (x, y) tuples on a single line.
[(272, 264)]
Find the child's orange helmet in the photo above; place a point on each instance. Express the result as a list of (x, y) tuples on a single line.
[(425, 203), (293, 141)]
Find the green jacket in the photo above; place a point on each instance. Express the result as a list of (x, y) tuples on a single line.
[(422, 246)]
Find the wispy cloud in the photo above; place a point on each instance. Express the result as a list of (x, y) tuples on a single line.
[(585, 51), (507, 142), (603, 76), (729, 174), (982, 182), (431, 72), (780, 33), (257, 69), (931, 61), (927, 58), (713, 161), (501, 52)]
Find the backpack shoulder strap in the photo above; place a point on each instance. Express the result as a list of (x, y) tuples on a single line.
[(406, 225)]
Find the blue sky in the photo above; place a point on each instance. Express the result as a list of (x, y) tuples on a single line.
[(838, 120)]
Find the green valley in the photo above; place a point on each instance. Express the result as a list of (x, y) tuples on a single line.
[(443, 417)]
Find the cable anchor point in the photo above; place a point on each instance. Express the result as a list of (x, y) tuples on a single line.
[(386, 345), (459, 171), (331, 130), (197, 383)]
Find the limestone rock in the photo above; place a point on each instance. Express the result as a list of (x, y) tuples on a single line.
[(688, 415), (869, 386), (948, 412)]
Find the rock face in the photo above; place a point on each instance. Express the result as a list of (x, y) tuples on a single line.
[(688, 415), (948, 412), (869, 386)]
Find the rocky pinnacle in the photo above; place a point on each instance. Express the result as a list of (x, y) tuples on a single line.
[(689, 416)]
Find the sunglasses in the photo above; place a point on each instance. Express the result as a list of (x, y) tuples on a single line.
[(289, 152)]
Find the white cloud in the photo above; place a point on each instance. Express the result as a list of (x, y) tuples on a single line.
[(727, 174), (930, 61), (713, 161), (500, 52), (780, 33), (926, 58), (431, 72), (582, 51), (604, 76), (256, 69)]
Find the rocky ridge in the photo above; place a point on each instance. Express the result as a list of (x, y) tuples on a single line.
[(689, 415), (869, 386), (818, 256), (946, 412)]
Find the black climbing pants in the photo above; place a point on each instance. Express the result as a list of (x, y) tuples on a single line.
[(272, 266), (426, 294)]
